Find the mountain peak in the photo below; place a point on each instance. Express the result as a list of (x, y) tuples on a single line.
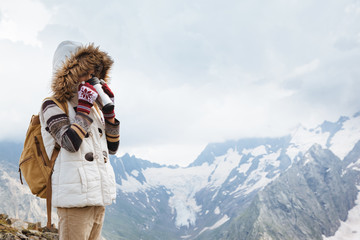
[(245, 145)]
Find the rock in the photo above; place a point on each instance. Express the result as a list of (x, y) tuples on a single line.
[(17, 229), (34, 238), (32, 226), (38, 224), (18, 224), (26, 232), (306, 202), (21, 236), (8, 236), (50, 236), (46, 229)]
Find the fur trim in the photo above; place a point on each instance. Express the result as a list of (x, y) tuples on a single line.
[(65, 80)]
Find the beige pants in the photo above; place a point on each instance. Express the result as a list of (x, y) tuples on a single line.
[(81, 223)]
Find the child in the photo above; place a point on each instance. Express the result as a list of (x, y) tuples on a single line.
[(83, 181)]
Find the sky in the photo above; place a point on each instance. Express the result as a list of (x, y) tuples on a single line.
[(188, 73)]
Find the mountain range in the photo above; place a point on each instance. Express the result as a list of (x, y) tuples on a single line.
[(300, 186)]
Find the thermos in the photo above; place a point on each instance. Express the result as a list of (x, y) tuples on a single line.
[(103, 100)]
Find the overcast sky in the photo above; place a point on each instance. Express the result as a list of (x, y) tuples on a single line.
[(188, 73)]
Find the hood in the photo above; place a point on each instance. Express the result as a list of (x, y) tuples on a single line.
[(73, 60)]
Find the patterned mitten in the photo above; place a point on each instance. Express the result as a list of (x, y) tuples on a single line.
[(86, 97)]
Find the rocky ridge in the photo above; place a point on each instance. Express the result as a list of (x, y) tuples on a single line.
[(305, 202), (16, 229)]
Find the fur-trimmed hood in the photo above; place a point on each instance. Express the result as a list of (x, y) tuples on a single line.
[(73, 60)]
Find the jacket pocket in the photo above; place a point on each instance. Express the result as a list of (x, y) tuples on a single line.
[(83, 179)]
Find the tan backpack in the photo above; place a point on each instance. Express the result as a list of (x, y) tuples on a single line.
[(34, 163)]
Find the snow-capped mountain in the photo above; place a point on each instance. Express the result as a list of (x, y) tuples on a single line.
[(305, 202), (224, 180), (300, 186)]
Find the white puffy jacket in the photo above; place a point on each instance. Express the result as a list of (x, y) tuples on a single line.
[(85, 177)]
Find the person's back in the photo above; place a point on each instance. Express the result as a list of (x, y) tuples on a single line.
[(83, 181)]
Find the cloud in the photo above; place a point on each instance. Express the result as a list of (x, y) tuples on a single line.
[(348, 43), (306, 68), (52, 33), (19, 24), (187, 73), (24, 74), (353, 7)]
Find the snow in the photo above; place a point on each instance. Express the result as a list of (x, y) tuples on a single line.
[(350, 229), (184, 183), (345, 139), (353, 166), (131, 185), (245, 166), (185, 208), (340, 144), (233, 179), (356, 168), (260, 150), (308, 158), (185, 236), (223, 220), (271, 159), (214, 196), (257, 178), (224, 165), (217, 210), (261, 182), (303, 139), (135, 173)]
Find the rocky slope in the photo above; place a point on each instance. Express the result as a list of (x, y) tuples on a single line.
[(306, 202), (16, 229)]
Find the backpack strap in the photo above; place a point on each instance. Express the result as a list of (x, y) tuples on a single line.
[(55, 153)]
